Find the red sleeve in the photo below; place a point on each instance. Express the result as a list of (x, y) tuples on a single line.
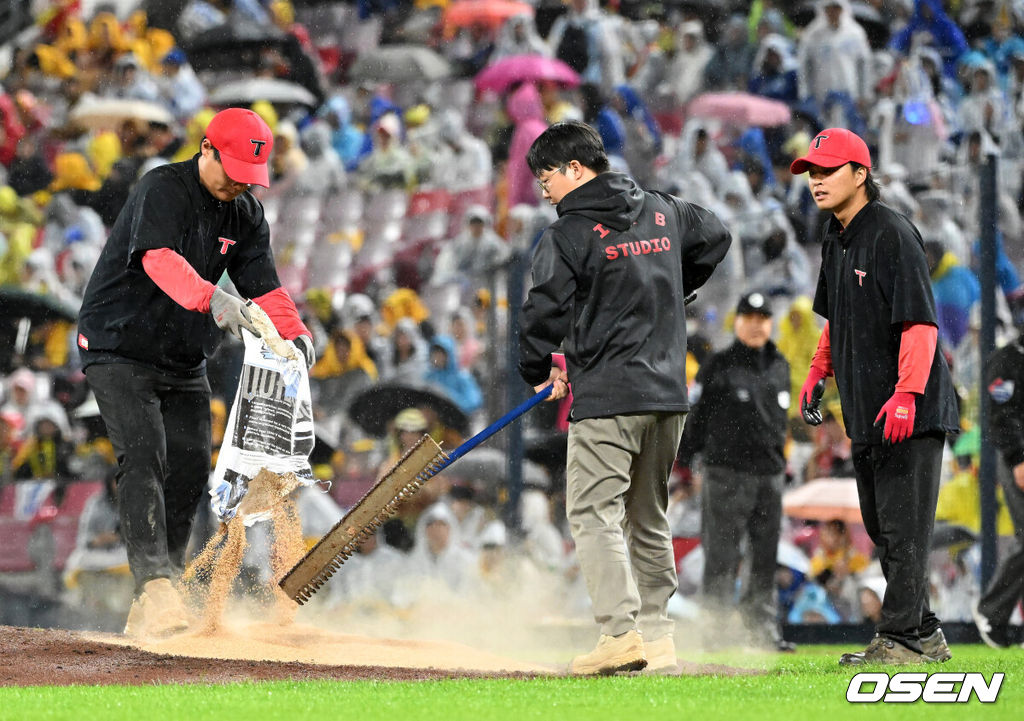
[(282, 311), (917, 349), (822, 359), (175, 277)]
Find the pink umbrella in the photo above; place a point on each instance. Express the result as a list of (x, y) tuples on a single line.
[(824, 499), (742, 109), (505, 73)]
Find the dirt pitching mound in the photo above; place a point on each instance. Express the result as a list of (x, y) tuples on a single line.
[(50, 657)]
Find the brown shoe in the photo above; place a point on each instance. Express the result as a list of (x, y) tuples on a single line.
[(157, 612), (935, 646), (613, 654), (883, 650), (661, 656)]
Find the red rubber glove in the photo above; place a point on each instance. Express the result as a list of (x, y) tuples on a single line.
[(899, 417), (810, 396)]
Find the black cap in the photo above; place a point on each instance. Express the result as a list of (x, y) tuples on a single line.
[(755, 302)]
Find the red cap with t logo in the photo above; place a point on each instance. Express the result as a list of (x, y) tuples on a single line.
[(832, 148), (244, 142)]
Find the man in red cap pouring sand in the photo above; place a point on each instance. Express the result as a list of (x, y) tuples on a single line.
[(896, 392), (149, 321)]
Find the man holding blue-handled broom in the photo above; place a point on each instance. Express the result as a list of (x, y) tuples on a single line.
[(609, 281)]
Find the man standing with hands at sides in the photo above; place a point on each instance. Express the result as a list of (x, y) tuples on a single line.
[(609, 280), (896, 392), (149, 321)]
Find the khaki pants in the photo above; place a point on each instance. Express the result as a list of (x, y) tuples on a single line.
[(616, 495)]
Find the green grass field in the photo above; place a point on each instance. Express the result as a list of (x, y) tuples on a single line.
[(806, 685)]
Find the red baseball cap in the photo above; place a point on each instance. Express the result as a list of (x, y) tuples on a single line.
[(831, 148), (244, 142)]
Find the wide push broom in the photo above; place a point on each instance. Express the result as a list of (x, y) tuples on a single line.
[(420, 463)]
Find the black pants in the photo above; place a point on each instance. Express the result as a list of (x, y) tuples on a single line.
[(735, 504), (1007, 586), (159, 426), (898, 487)]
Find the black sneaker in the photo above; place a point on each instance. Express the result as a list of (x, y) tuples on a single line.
[(996, 637), (883, 650), (934, 646)]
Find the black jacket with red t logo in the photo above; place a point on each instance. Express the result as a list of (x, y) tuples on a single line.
[(874, 279), (125, 315), (609, 279)]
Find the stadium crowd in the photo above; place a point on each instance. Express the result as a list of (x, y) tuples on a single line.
[(399, 205)]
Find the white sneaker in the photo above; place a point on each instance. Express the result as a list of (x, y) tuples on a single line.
[(985, 629)]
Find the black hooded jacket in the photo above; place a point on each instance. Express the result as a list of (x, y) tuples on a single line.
[(609, 279)]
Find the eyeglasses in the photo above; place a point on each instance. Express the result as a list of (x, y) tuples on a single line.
[(544, 183)]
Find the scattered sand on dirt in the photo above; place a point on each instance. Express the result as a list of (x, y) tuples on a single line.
[(308, 644)]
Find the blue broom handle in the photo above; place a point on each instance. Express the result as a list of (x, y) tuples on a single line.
[(490, 430)]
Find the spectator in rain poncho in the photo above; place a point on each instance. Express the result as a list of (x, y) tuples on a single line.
[(542, 542), (526, 111), (697, 152), (730, 65), (518, 36), (746, 222), (930, 20), (389, 165), (470, 516), (834, 63), (985, 108), (131, 81), (934, 220), (19, 220), (370, 578), (348, 140), (780, 266), (798, 340), (288, 162), (600, 114), (96, 573), (584, 37), (339, 375), (360, 314), (409, 354), (774, 70), (444, 373), (956, 290), (642, 144), (462, 329), (324, 174), (909, 122), (473, 253), (464, 160), (685, 77), (183, 92), (437, 561), (965, 187)]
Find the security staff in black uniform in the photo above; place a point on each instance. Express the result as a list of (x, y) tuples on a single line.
[(896, 391), (149, 321), (609, 281), (1004, 381), (737, 421)]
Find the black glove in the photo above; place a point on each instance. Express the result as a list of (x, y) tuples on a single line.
[(230, 314), (810, 407), (305, 344)]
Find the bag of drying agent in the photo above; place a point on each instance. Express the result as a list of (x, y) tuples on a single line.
[(270, 425)]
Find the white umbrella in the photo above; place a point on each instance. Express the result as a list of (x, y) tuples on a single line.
[(398, 64), (96, 113), (273, 90)]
